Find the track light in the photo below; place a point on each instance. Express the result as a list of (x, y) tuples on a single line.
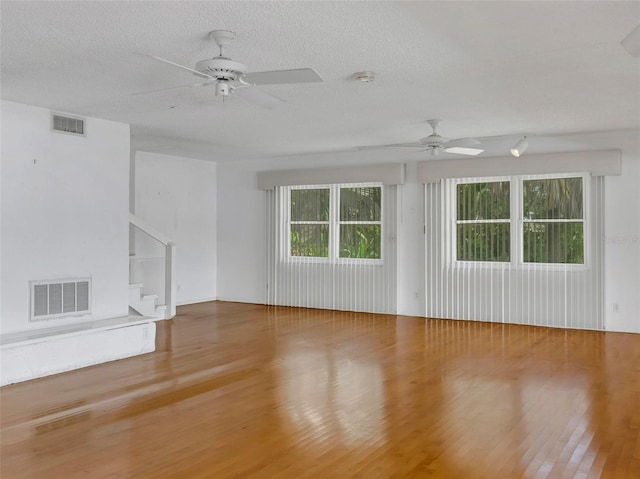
[(520, 147)]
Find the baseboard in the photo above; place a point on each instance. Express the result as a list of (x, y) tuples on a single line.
[(195, 301)]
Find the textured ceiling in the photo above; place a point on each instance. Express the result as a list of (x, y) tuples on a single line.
[(486, 68)]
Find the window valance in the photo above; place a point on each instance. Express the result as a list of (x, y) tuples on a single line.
[(598, 163), (387, 174)]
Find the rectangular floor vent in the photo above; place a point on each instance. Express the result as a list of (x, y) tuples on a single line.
[(59, 298), (67, 124)]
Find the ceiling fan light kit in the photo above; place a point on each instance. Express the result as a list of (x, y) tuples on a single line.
[(461, 150), (222, 89), (464, 146)]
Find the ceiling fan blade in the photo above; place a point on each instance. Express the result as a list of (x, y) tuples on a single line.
[(169, 62), (416, 144), (276, 77), (259, 97), (172, 88), (631, 43)]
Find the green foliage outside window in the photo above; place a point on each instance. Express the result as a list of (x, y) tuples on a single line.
[(310, 240), (560, 241), (483, 242), (483, 214), (360, 204), (310, 223), (361, 239), (359, 222), (553, 198), (483, 201), (310, 205), (552, 227), (553, 243)]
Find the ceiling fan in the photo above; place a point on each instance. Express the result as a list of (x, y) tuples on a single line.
[(435, 143), (230, 77)]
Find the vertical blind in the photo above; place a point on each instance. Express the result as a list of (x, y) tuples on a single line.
[(524, 249), (332, 247)]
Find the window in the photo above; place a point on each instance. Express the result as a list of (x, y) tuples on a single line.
[(310, 222), (360, 222), (483, 221), (541, 218), (553, 221), (335, 222)]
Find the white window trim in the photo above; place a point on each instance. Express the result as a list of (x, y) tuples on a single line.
[(454, 221), (286, 214), (516, 221), (334, 227)]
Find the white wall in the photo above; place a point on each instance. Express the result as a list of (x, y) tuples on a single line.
[(178, 197), (622, 240), (64, 212), (242, 241), (411, 290)]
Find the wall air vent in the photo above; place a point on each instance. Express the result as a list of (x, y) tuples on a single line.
[(67, 124), (59, 298)]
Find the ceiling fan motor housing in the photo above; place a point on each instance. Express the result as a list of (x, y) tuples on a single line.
[(433, 141), (222, 68)]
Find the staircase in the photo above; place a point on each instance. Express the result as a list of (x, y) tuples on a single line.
[(146, 304), (154, 267)]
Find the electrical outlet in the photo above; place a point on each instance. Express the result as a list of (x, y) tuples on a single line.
[(616, 307)]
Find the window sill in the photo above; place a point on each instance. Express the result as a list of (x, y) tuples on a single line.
[(490, 265), (336, 262)]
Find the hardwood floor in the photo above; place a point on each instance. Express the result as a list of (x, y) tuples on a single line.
[(237, 390)]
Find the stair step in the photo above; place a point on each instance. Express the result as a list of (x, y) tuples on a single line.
[(145, 304)]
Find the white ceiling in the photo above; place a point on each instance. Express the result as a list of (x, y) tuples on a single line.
[(486, 68)]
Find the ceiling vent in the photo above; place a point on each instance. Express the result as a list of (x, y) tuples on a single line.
[(67, 124)]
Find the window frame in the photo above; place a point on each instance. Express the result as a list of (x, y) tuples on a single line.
[(509, 221), (289, 222), (334, 226), (516, 220)]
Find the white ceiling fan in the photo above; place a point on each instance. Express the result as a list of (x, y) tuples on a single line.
[(435, 143), (230, 77)]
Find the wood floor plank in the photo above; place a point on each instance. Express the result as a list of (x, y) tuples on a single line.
[(243, 390)]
